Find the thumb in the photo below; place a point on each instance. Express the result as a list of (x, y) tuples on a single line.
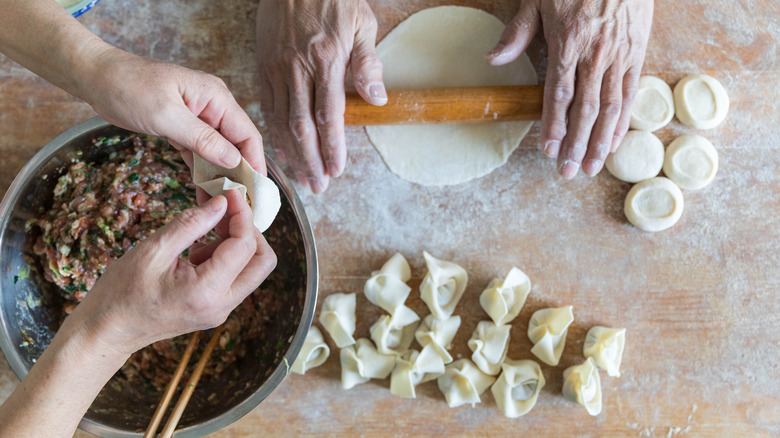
[(516, 36), (365, 64), (187, 227), (184, 128)]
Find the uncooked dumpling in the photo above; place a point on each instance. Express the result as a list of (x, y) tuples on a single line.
[(518, 387), (547, 330), (262, 193), (445, 47), (392, 337), (463, 383), (581, 384), (361, 362), (413, 368), (313, 353), (338, 317), (605, 345), (700, 101), (387, 289), (489, 344), (654, 204), (438, 334), (443, 286), (503, 299), (654, 105), (691, 162), (639, 157)]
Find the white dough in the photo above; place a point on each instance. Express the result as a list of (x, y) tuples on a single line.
[(313, 353), (445, 47), (518, 387), (489, 344), (338, 317), (503, 299), (262, 192), (443, 286), (605, 346), (361, 362), (582, 384), (691, 162), (547, 329), (700, 101), (654, 105), (654, 205), (463, 383), (639, 157)]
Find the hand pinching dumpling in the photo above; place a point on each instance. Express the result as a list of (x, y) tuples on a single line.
[(387, 287), (338, 318), (443, 286), (581, 384), (313, 353), (518, 387), (547, 330), (605, 346), (502, 300), (462, 383), (489, 343), (412, 368), (438, 333), (361, 363), (391, 336)]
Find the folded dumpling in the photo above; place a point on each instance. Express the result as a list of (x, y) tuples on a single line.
[(503, 299), (547, 330), (361, 362), (413, 368), (605, 345), (338, 317), (313, 353), (443, 286), (518, 387), (581, 384), (392, 336), (462, 383), (438, 333), (489, 344), (387, 287)]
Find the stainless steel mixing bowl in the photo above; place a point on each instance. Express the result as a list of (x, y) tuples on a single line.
[(30, 311)]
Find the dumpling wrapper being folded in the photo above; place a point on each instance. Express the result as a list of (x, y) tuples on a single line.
[(262, 193)]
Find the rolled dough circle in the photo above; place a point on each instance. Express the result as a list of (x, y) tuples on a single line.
[(654, 105), (691, 162), (700, 101), (446, 47), (654, 204), (639, 157)]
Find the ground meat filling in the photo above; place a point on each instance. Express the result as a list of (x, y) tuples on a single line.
[(100, 211)]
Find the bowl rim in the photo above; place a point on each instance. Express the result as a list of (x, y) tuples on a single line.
[(81, 7), (10, 352)]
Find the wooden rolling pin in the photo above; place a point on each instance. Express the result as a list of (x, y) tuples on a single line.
[(448, 105)]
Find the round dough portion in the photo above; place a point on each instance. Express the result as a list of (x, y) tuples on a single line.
[(691, 162), (654, 105), (639, 157), (654, 204), (446, 47), (701, 101)]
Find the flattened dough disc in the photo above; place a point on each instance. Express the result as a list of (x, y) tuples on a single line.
[(446, 47)]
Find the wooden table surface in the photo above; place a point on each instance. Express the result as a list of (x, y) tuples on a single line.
[(700, 301)]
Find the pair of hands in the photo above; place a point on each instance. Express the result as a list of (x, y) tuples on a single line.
[(306, 48)]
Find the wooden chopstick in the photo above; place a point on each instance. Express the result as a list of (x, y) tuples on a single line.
[(171, 388), (186, 393)]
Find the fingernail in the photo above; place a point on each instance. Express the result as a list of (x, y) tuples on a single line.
[(230, 157), (319, 185), (496, 50), (591, 167), (377, 92), (333, 169), (551, 148), (214, 204), (569, 168)]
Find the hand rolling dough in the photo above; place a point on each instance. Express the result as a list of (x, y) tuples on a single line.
[(701, 101), (445, 47), (654, 204), (691, 162), (639, 157), (654, 105)]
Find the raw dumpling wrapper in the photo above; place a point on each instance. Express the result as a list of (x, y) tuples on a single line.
[(262, 192), (391, 337), (581, 384), (443, 286), (438, 333), (502, 300), (361, 363), (463, 383), (338, 318), (413, 368), (489, 343), (547, 330), (605, 346), (313, 353), (518, 387)]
